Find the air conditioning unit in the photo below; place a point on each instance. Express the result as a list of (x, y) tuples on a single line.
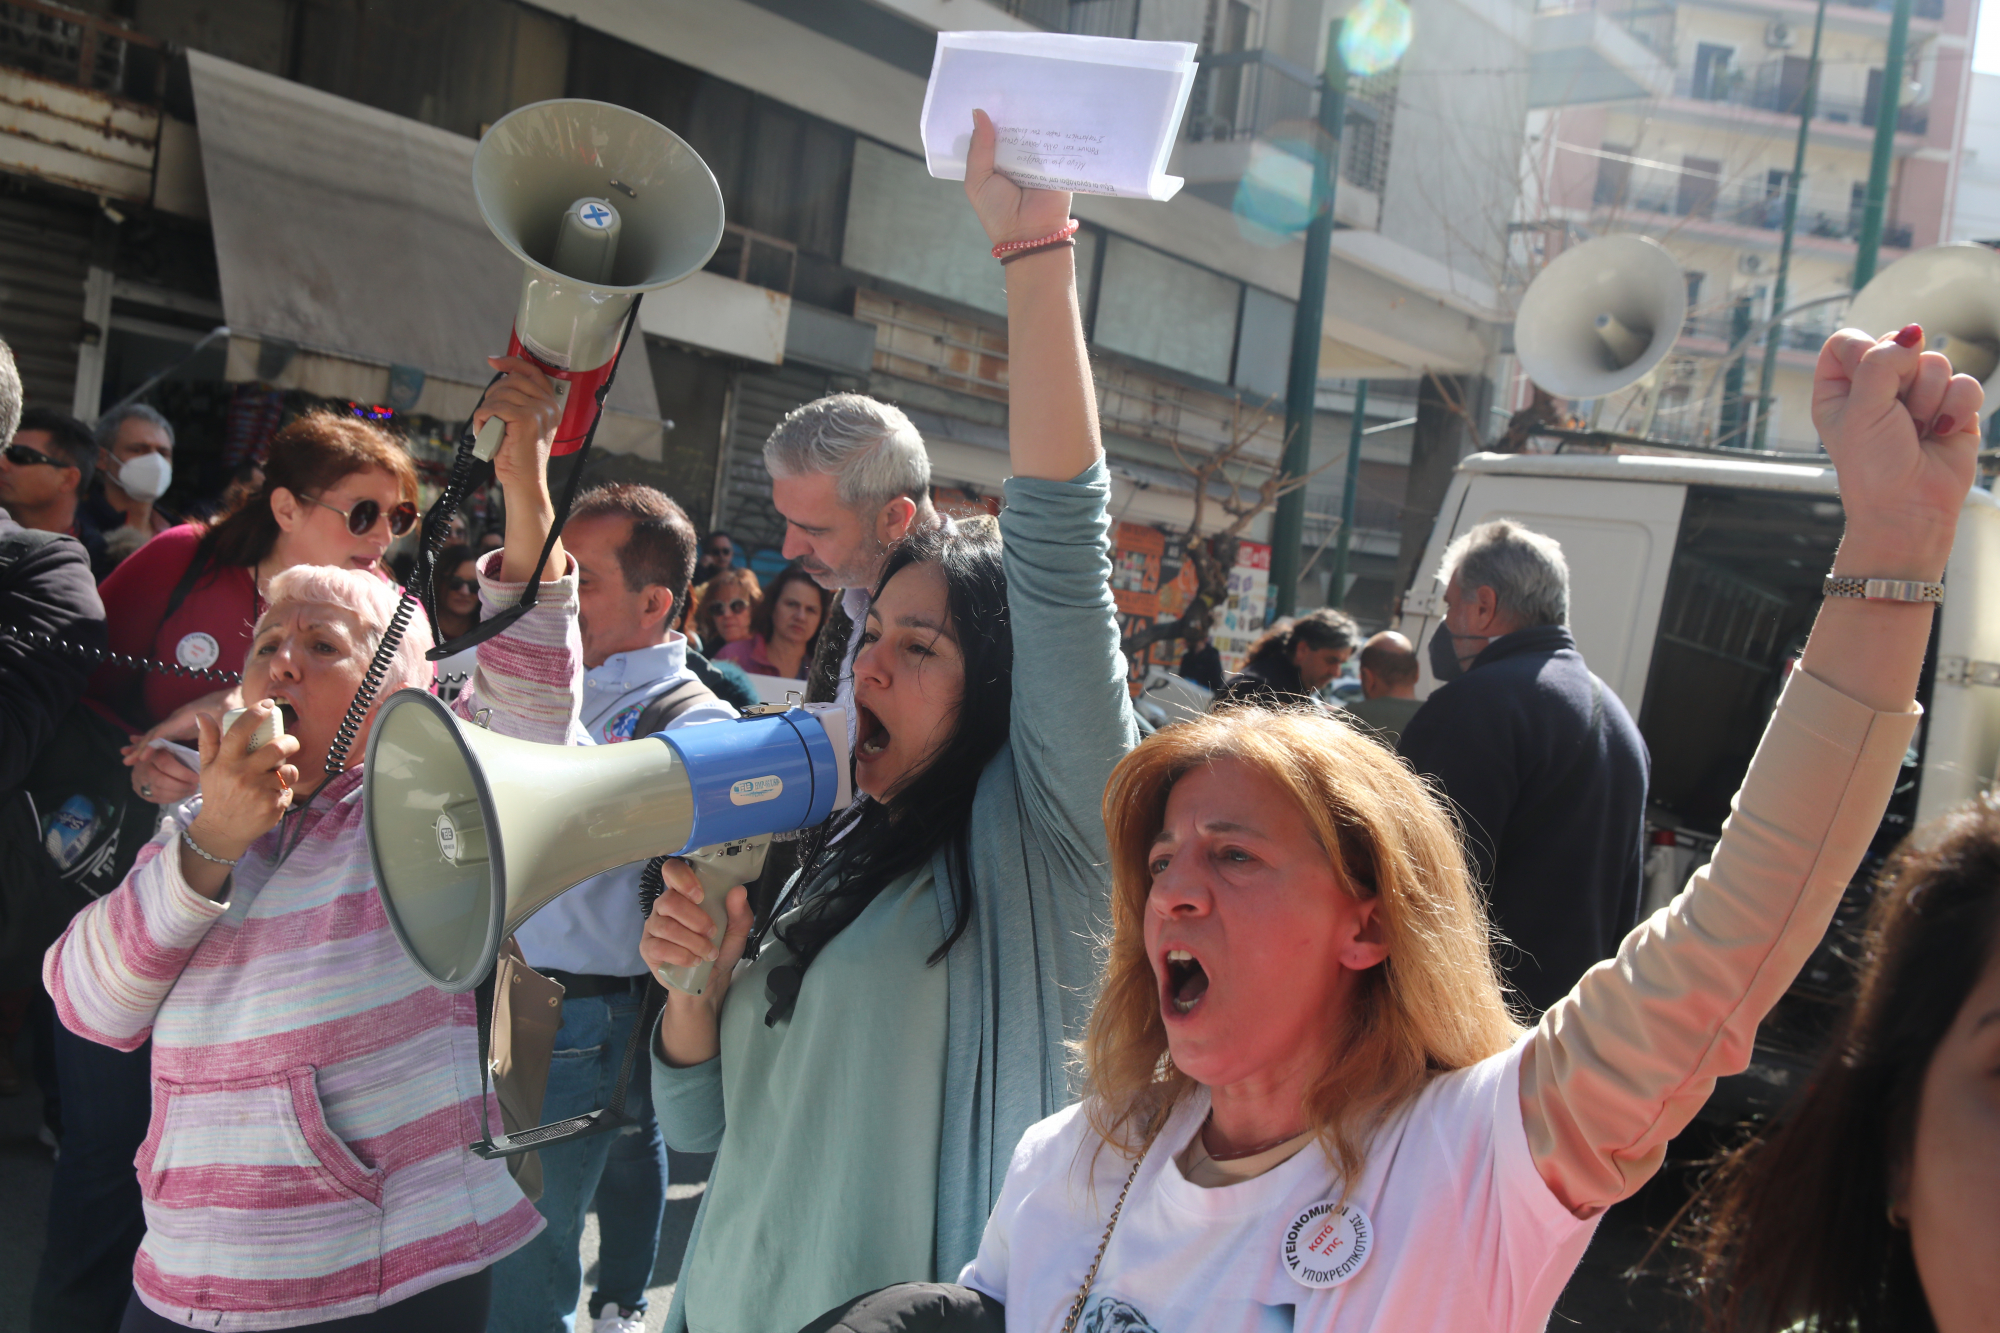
[(1778, 35), (1749, 263)]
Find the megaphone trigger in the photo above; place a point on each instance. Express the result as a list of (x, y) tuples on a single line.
[(718, 869)]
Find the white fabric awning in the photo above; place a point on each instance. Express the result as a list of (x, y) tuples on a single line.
[(352, 235)]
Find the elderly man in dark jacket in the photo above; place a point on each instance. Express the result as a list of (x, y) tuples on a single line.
[(1540, 758)]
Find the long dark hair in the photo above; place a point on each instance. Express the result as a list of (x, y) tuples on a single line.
[(1795, 1224), (880, 841), (764, 614)]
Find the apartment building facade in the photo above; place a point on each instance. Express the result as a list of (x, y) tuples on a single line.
[(1700, 162)]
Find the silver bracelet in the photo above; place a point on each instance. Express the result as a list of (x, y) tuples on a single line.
[(195, 847), (1884, 590)]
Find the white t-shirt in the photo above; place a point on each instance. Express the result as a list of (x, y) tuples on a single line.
[(1458, 1229)]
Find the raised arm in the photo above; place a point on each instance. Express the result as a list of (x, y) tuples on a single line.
[(1621, 1064), (1071, 719), (1052, 429)]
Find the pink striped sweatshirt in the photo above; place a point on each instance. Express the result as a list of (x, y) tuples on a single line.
[(313, 1095)]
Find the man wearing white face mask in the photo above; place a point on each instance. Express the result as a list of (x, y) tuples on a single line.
[(135, 463)]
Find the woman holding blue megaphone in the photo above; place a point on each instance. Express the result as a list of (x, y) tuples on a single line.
[(865, 1065)]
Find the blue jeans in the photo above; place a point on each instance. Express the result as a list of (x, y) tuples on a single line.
[(625, 1172), (95, 1217)]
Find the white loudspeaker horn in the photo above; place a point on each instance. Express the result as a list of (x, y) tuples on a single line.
[(471, 832), (1954, 292), (601, 204), (1600, 317)]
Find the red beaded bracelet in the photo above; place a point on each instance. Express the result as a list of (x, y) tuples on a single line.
[(1006, 248)]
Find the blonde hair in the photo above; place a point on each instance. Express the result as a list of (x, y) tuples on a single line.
[(1432, 1006), (373, 602)]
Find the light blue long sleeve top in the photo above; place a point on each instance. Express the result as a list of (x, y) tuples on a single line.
[(1020, 981)]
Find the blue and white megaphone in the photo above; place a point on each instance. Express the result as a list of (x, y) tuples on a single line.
[(471, 833)]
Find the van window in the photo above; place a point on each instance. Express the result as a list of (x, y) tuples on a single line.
[(1741, 595)]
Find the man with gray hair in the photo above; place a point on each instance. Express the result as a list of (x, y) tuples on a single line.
[(850, 477), (135, 465), (1539, 757)]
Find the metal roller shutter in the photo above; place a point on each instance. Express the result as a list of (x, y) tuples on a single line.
[(44, 256)]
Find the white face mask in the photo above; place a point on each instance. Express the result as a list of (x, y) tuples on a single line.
[(146, 477)]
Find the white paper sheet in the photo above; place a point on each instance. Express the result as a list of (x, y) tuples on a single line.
[(1092, 115)]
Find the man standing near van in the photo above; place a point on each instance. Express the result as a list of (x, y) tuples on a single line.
[(1539, 757)]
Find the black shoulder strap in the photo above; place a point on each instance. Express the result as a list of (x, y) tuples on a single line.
[(671, 705)]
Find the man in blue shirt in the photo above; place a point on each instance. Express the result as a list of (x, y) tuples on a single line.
[(635, 549)]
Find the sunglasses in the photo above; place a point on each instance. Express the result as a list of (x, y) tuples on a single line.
[(20, 455), (462, 585), (735, 608), (365, 513)]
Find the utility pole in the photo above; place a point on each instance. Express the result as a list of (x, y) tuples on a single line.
[(1734, 418), (1336, 588), (1768, 371), (1302, 384), (1888, 111)]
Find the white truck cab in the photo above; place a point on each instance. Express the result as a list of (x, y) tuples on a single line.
[(1693, 582)]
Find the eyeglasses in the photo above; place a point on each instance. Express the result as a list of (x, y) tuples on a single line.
[(735, 608), (462, 585), (20, 455), (365, 513)]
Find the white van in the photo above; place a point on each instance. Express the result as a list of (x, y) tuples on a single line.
[(1693, 582)]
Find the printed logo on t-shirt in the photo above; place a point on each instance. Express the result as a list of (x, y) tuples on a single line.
[(1114, 1316), (624, 724), (197, 651), (1327, 1244)]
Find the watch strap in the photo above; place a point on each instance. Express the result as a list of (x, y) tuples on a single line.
[(1884, 590)]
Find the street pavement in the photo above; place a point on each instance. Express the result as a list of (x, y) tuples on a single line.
[(1603, 1297)]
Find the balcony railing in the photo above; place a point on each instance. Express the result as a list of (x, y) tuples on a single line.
[(1086, 18), (1740, 206), (68, 46), (1244, 94), (1764, 88), (1791, 336)]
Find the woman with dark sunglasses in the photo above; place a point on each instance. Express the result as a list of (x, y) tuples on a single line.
[(457, 612), (337, 490), (723, 607)]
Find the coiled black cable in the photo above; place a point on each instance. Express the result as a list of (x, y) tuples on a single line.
[(37, 637)]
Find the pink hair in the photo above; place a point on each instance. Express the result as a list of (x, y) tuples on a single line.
[(373, 600)]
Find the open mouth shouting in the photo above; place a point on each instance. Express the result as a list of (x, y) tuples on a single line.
[(871, 738), (1184, 982)]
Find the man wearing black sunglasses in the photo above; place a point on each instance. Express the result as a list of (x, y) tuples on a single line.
[(45, 473)]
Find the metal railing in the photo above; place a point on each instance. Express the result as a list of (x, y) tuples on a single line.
[(69, 46), (1085, 18), (1763, 88), (1244, 94), (752, 257), (1742, 206)]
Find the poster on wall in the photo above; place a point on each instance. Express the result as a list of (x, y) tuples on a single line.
[(1240, 619)]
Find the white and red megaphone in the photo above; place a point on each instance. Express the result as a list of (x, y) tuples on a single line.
[(601, 204)]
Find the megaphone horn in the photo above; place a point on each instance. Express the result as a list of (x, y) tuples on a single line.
[(1954, 292), (1600, 317), (471, 832), (600, 204)]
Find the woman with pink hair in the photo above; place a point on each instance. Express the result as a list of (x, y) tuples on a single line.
[(313, 1095)]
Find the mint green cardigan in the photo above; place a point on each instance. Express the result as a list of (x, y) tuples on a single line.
[(1022, 977)]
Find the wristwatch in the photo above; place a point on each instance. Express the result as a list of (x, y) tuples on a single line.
[(1884, 590)]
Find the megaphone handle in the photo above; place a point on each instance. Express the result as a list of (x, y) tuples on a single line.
[(487, 442), (719, 869)]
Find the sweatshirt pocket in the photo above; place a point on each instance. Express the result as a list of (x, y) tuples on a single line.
[(247, 1191)]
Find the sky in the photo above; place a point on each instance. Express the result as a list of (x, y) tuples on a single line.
[(1986, 42)]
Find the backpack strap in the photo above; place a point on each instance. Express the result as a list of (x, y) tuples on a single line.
[(663, 710)]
